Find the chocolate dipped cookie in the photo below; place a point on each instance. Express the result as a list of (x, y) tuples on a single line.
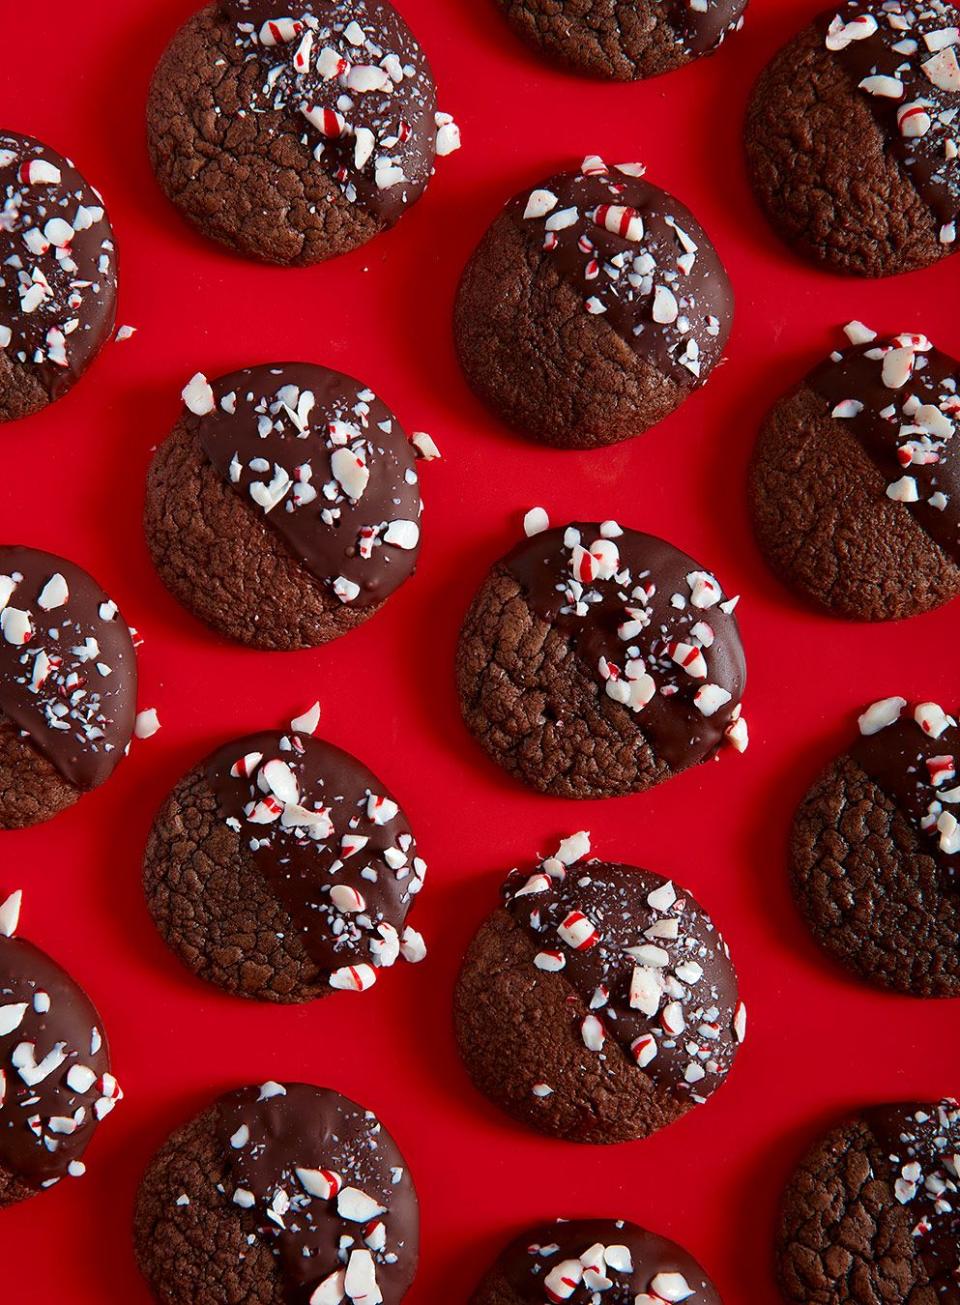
[(58, 275), (596, 661), (284, 508), (295, 133), (854, 489), (68, 685), (851, 137), (279, 1194), (593, 306), (870, 1213), (876, 850), (282, 869), (598, 1003), (55, 1080), (585, 1261)]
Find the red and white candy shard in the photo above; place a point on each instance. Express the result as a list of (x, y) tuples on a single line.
[(10, 914), (197, 394), (881, 714)]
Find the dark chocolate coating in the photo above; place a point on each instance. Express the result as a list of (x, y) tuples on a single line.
[(603, 38), (828, 161), (529, 1008), (609, 245), (68, 676), (835, 469), (575, 662), (271, 910), (49, 1104), (267, 180), (282, 433), (519, 1275), (870, 1213), (58, 286), (226, 1187)]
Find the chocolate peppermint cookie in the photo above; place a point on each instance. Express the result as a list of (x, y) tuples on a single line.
[(871, 1212), (594, 305), (281, 869), (852, 140), (596, 661), (584, 1261), (876, 851), (295, 133), (68, 685), (854, 489), (279, 1195), (55, 1080), (58, 277), (599, 1002), (604, 38), (284, 508)]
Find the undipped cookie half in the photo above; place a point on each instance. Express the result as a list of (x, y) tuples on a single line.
[(281, 869), (584, 1261), (593, 306), (596, 661), (851, 137), (284, 508), (58, 277), (599, 1003), (876, 851), (854, 482), (278, 1195), (55, 1080), (68, 685), (604, 38), (295, 134), (870, 1213)]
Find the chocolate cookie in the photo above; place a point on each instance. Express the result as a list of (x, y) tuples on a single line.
[(594, 305), (854, 489), (875, 851), (871, 1212), (68, 685), (585, 1261), (597, 661), (604, 38), (281, 868), (293, 139), (599, 1003), (55, 1080), (851, 137), (58, 277), (284, 508), (279, 1195)]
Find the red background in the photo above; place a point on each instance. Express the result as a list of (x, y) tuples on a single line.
[(819, 1042)]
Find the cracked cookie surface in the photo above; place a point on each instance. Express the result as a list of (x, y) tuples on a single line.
[(622, 42)]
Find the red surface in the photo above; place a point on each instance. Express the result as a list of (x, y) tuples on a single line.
[(818, 1042)]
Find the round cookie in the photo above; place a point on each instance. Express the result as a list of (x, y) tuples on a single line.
[(593, 306), (875, 851), (599, 1003), (854, 489), (851, 137), (294, 139), (284, 507), (870, 1213), (281, 869), (277, 1194), (54, 1067), (597, 661), (604, 38), (68, 685), (58, 277), (588, 1260)]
